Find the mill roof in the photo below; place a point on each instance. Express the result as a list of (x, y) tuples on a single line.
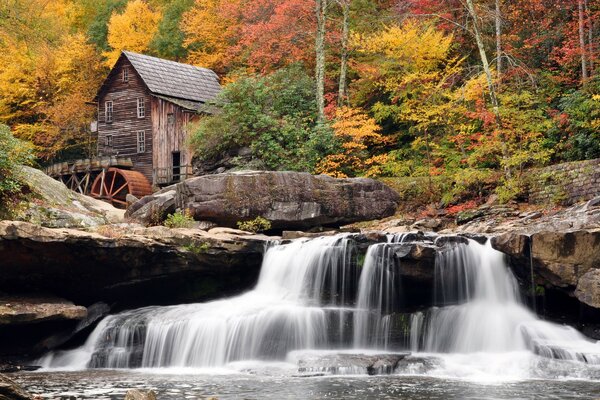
[(174, 80)]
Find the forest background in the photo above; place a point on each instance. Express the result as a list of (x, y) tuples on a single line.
[(459, 96)]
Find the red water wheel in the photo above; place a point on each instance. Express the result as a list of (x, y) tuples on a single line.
[(114, 184)]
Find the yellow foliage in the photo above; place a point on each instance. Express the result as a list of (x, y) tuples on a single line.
[(133, 30), (209, 32), (357, 133), (413, 46)]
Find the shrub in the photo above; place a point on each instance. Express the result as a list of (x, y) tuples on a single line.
[(179, 220), (13, 154), (258, 224), (273, 115)]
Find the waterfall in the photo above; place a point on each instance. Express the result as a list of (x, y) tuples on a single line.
[(302, 292), (314, 295), (479, 310)]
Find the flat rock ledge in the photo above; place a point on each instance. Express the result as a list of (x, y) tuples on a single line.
[(130, 265), (36, 309)]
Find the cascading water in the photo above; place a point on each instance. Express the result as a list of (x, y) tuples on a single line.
[(480, 310), (310, 296), (300, 295)]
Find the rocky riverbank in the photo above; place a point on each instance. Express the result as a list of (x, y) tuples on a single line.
[(59, 280)]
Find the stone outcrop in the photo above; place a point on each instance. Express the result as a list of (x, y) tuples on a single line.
[(33, 324), (36, 309), (136, 394), (128, 265), (588, 288), (54, 205), (559, 259), (10, 390), (290, 200)]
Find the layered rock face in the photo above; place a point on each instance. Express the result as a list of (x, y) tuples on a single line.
[(565, 261), (130, 266), (290, 200)]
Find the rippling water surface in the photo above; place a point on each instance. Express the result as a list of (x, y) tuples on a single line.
[(113, 385)]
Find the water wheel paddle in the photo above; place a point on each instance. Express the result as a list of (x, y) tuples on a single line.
[(114, 184)]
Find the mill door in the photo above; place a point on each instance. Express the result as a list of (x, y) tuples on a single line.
[(176, 166)]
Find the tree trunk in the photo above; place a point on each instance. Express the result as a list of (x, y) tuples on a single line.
[(590, 23), (484, 60), (490, 82), (321, 10), (498, 20), (342, 88), (584, 72)]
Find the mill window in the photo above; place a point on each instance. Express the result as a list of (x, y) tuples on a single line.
[(108, 111), (141, 107), (108, 141), (141, 141), (125, 74)]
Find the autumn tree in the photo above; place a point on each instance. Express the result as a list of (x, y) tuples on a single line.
[(132, 30), (359, 136)]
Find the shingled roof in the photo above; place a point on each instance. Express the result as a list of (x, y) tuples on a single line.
[(173, 79), (170, 79)]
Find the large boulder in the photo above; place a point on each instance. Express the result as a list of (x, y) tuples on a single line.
[(290, 200), (54, 205), (588, 288)]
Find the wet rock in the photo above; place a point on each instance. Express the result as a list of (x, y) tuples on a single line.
[(9, 390), (563, 260), (348, 363), (9, 368), (136, 394), (55, 339), (588, 288), (289, 200), (416, 261), (416, 365)]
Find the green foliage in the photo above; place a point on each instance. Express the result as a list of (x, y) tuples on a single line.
[(511, 188), (98, 28), (197, 248), (179, 220), (273, 115), (168, 42), (258, 224), (13, 153), (581, 121)]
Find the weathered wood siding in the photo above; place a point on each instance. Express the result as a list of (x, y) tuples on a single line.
[(126, 123), (169, 137)]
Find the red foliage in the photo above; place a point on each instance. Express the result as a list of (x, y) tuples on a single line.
[(468, 205)]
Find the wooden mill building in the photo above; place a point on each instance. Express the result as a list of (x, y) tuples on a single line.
[(144, 107)]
